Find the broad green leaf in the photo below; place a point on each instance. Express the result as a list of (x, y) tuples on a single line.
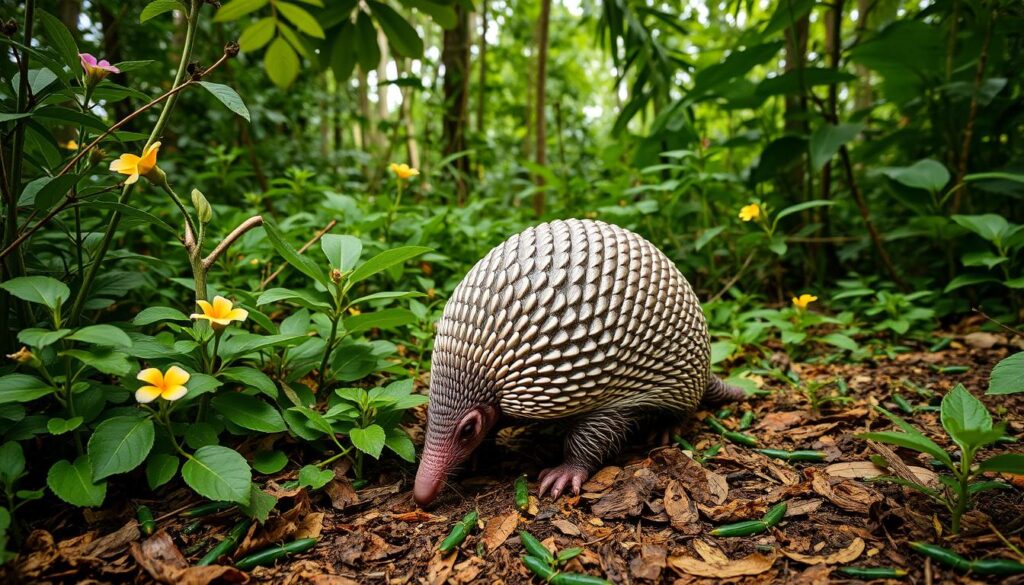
[(916, 438), (365, 40), (984, 258), (342, 251), (107, 335), (827, 139), (249, 412), (12, 463), (151, 315), (136, 214), (353, 361), (841, 341), (251, 377), (402, 37), (385, 260), (926, 174), (158, 7), (218, 473), (246, 343), (1008, 375), (103, 359), (281, 63), (22, 388), (736, 64), (369, 440), (314, 477), (1004, 463), (802, 207), (965, 418), (968, 280), (260, 504), (45, 191), (73, 483), (268, 462), (38, 289), (257, 35), (291, 256), (39, 338), (989, 226), (59, 426), (401, 444), (383, 319), (302, 20), (314, 301), (229, 97), (160, 469), (120, 444), (237, 8), (61, 40), (201, 434), (798, 80)]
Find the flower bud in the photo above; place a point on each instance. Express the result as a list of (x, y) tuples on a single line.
[(202, 206), (25, 356), (336, 276)]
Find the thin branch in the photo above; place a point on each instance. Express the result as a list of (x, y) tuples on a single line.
[(1017, 332), (304, 247), (735, 277), (222, 247)]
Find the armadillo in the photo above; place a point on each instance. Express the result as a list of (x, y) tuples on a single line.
[(579, 321)]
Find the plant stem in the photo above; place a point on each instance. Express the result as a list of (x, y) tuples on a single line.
[(327, 351)]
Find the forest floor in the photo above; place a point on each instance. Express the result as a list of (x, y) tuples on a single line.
[(645, 518)]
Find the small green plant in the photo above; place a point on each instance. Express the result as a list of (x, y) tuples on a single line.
[(1008, 375), (970, 426), (12, 469)]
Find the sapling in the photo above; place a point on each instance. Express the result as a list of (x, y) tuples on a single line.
[(971, 428)]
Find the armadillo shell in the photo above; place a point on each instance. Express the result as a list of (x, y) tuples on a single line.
[(570, 317)]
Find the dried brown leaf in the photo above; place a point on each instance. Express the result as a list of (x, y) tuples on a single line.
[(851, 552), (754, 564), (650, 562), (498, 529), (602, 480), (681, 510), (627, 499), (161, 559), (566, 527), (709, 552)]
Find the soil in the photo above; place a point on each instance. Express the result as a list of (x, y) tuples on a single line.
[(646, 518)]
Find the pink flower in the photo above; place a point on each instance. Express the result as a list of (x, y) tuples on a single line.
[(95, 70)]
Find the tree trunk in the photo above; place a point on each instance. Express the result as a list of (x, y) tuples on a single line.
[(455, 58), (538, 113), (481, 99)]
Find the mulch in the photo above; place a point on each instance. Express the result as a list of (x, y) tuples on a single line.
[(645, 518)]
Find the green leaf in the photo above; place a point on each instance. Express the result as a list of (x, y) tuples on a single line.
[(369, 440), (984, 258), (402, 37), (926, 174), (802, 207), (251, 377), (61, 39), (965, 418), (292, 257), (706, 236), (786, 14), (45, 191), (791, 81), (59, 426), (249, 412), (39, 338), (120, 444), (968, 280), (989, 226), (302, 20), (160, 469), (229, 97), (22, 388), (827, 139), (401, 444), (314, 477), (910, 438), (367, 50), (383, 319), (219, 473), (1007, 376), (103, 359), (1005, 463), (12, 463), (260, 504), (107, 335), (342, 251), (268, 462), (73, 483), (237, 8), (302, 298), (385, 260), (38, 289), (841, 341), (151, 315), (281, 63), (158, 7), (386, 295), (257, 35)]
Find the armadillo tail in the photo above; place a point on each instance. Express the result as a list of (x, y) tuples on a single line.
[(718, 392)]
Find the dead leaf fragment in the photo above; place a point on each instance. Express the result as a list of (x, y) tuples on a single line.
[(161, 559), (498, 529), (851, 552), (650, 562), (602, 480), (754, 564), (565, 527), (681, 510), (628, 498)]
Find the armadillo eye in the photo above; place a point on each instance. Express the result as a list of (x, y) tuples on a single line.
[(467, 432)]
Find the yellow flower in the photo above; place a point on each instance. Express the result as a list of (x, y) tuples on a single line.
[(403, 171), (221, 313), (803, 300), (70, 145), (22, 356), (354, 311), (169, 385), (750, 212), (133, 166)]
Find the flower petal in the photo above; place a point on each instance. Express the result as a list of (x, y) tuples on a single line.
[(126, 164), (87, 60), (221, 306), (147, 394), (175, 376), (151, 376), (132, 179), (174, 392), (206, 307), (237, 315)]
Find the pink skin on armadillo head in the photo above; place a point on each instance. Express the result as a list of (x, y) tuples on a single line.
[(448, 445)]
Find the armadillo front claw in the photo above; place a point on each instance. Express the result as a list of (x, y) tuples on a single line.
[(557, 478)]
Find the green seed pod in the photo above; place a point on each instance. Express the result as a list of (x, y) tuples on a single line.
[(684, 443), (941, 344), (902, 403), (203, 210), (146, 523), (954, 369), (943, 555), (1000, 567), (535, 548), (715, 425), (745, 528), (775, 515), (802, 455), (459, 532), (522, 493), (207, 509), (270, 555), (740, 438), (724, 413), (539, 567), (747, 419), (192, 527), (873, 572), (227, 545)]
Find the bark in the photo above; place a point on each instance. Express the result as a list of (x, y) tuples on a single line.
[(540, 158), (455, 58)]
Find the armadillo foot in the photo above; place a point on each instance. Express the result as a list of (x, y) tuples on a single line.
[(558, 478)]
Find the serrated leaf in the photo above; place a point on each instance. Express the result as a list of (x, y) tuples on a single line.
[(120, 444), (73, 483), (219, 473)]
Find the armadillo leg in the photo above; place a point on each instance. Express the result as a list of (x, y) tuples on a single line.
[(592, 438)]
